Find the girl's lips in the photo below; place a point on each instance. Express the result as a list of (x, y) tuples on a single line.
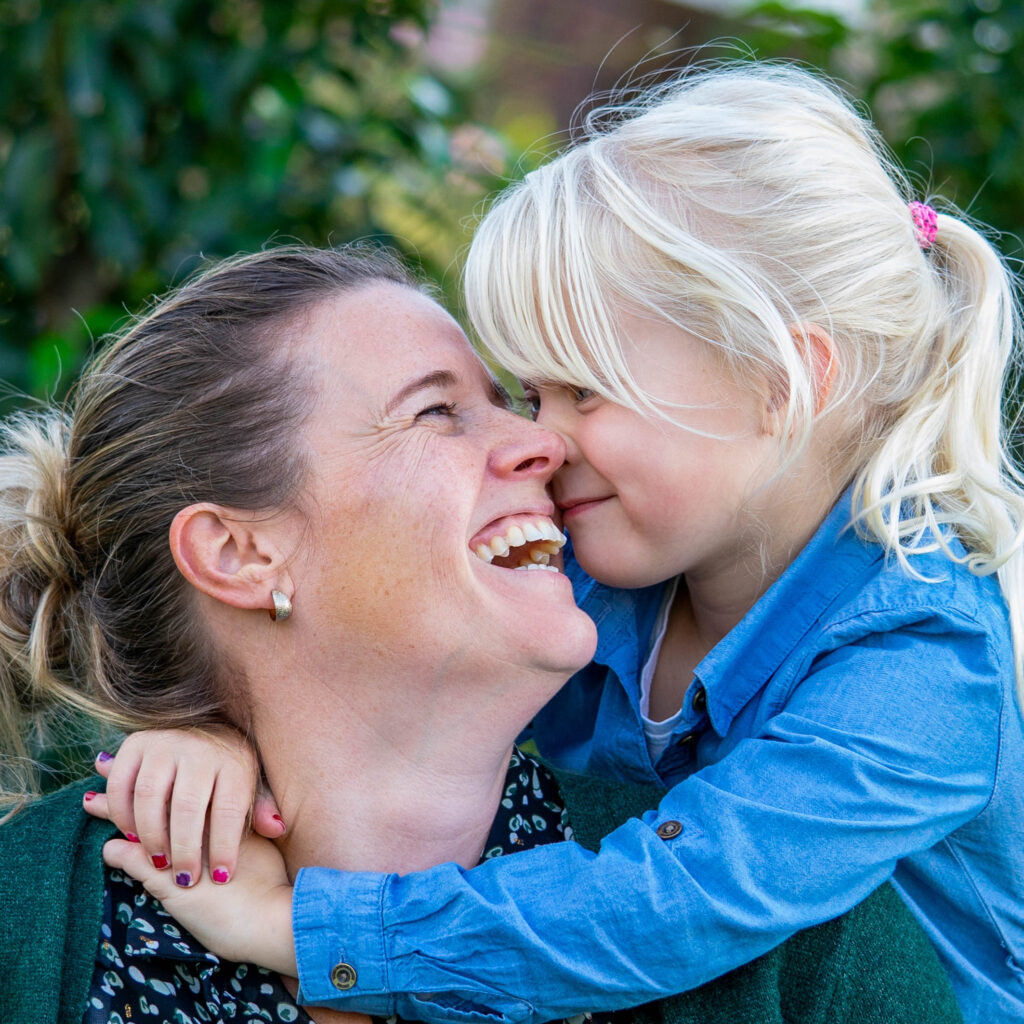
[(578, 506)]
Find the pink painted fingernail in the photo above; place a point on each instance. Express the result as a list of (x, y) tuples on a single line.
[(131, 837), (103, 756), (183, 878), (220, 875), (89, 796), (280, 821), (159, 861)]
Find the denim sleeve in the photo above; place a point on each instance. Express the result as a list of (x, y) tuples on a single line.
[(885, 745)]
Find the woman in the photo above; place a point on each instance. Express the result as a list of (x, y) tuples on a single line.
[(304, 433)]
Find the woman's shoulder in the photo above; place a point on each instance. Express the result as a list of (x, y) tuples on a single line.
[(52, 819), (872, 965), (41, 843), (51, 895)]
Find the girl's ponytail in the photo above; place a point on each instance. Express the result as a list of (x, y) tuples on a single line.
[(943, 459)]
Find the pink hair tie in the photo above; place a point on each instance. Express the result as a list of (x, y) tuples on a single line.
[(926, 223)]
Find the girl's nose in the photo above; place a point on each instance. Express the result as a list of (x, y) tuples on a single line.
[(550, 417)]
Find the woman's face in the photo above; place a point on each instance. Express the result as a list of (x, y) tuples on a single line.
[(418, 471)]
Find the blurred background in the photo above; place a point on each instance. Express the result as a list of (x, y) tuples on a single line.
[(136, 137)]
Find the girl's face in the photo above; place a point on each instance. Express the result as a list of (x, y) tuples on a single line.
[(643, 499)]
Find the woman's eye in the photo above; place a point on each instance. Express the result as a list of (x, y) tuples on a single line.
[(441, 409)]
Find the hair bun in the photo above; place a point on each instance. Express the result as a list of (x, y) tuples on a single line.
[(39, 566)]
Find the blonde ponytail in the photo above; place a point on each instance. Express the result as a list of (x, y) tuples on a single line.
[(942, 467)]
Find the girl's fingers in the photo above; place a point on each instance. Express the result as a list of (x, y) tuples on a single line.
[(153, 784), (229, 812), (190, 801), (266, 818), (96, 804), (132, 859), (121, 773)]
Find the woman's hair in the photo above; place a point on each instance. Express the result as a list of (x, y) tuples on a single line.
[(743, 203), (199, 399)]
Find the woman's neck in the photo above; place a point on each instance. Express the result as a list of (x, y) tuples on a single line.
[(381, 777)]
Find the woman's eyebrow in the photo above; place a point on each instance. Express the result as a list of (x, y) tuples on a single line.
[(434, 379), (500, 394)]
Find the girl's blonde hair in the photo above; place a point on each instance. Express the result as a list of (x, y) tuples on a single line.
[(197, 400), (743, 203)]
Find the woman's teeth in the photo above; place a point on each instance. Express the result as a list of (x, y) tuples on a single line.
[(537, 540)]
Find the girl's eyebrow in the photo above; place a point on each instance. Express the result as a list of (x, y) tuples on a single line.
[(434, 379)]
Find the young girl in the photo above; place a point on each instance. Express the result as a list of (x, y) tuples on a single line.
[(795, 525)]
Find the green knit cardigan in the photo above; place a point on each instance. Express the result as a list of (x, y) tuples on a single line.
[(873, 965)]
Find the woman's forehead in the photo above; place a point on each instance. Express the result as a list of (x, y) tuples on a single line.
[(378, 340)]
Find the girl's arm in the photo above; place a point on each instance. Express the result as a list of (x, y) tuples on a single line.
[(793, 827)]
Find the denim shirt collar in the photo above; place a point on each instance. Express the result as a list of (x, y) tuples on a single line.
[(742, 662)]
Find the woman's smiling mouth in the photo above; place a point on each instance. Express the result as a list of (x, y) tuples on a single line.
[(519, 542)]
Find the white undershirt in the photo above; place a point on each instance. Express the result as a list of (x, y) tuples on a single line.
[(657, 734)]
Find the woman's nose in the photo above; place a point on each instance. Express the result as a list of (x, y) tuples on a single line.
[(529, 450)]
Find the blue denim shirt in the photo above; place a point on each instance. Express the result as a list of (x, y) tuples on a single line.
[(857, 725)]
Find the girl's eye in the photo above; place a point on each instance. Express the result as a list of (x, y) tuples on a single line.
[(531, 402), (580, 394), (441, 409)]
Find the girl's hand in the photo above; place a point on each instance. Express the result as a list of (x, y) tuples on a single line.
[(249, 921), (167, 788)]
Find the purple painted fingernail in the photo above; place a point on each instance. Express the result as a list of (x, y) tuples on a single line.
[(183, 878), (131, 837), (103, 756), (220, 875)]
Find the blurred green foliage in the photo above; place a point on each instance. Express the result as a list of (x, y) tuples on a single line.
[(943, 79), (136, 135)]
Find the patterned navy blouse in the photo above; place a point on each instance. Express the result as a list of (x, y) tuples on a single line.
[(149, 969)]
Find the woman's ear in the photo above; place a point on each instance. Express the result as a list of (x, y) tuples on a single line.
[(229, 556)]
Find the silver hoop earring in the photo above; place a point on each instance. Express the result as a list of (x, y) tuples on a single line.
[(282, 606)]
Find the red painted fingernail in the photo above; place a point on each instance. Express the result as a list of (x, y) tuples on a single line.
[(131, 837), (90, 795), (104, 756), (220, 875), (280, 821), (159, 860)]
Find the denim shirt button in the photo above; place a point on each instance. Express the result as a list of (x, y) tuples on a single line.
[(669, 829), (343, 977)]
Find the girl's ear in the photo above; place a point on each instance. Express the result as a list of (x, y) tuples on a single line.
[(818, 350), (816, 347), (228, 556)]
